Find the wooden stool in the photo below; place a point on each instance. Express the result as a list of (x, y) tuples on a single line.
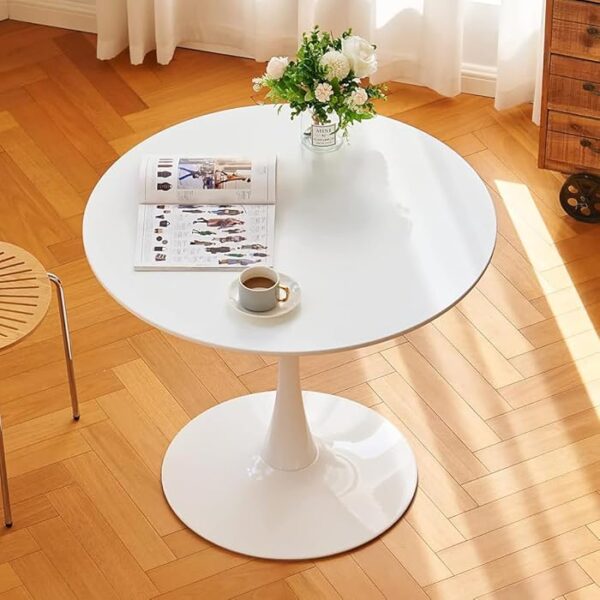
[(24, 299)]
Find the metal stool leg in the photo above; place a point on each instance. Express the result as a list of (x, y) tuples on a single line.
[(4, 481), (67, 343)]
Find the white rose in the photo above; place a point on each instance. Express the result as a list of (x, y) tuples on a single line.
[(360, 55), (277, 66), (358, 97), (336, 63), (323, 92)]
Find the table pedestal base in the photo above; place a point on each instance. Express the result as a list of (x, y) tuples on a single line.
[(361, 479)]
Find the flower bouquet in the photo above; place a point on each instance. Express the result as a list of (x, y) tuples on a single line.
[(324, 83)]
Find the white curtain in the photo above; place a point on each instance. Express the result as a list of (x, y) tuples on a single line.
[(418, 41), (520, 53)]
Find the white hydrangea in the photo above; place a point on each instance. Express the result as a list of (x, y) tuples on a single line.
[(257, 84), (358, 97), (323, 92), (337, 65), (277, 66)]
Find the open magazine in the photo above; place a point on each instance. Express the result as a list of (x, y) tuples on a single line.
[(205, 213)]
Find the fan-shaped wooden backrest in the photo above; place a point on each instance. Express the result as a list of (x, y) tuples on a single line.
[(24, 293)]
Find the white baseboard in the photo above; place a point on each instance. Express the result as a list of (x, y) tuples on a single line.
[(478, 79), (58, 13)]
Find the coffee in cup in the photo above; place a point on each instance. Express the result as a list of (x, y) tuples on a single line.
[(259, 289)]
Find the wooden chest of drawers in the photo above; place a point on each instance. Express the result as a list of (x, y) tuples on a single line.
[(570, 134)]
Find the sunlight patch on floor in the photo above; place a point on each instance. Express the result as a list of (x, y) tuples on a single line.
[(528, 223)]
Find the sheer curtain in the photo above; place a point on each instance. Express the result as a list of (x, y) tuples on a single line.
[(520, 53), (419, 41)]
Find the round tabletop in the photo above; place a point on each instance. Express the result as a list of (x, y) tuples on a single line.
[(382, 236)]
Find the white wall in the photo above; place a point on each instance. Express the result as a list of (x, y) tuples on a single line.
[(480, 47), (3, 10)]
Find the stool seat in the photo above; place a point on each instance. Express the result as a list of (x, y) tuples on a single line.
[(24, 293)]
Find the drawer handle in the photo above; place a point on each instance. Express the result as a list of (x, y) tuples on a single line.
[(590, 87), (590, 145), (593, 31)]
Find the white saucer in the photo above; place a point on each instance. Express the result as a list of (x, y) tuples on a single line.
[(280, 309)]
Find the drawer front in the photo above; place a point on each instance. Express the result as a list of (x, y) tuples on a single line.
[(574, 95), (578, 11), (575, 68), (574, 125), (572, 149), (577, 39)]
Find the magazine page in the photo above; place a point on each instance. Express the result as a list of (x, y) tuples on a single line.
[(208, 180), (204, 236)]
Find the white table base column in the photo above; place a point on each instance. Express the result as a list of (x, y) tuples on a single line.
[(249, 475)]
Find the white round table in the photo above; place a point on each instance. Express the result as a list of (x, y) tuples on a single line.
[(383, 236)]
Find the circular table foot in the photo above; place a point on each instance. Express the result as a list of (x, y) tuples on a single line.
[(362, 481)]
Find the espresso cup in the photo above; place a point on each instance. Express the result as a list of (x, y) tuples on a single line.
[(260, 290)]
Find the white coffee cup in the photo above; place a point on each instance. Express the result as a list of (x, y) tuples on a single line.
[(259, 289)]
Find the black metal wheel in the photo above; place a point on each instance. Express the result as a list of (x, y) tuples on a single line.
[(580, 197)]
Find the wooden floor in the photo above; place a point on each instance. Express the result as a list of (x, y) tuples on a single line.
[(498, 397)]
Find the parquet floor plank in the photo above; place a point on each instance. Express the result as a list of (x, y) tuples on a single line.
[(20, 77), (8, 578), (89, 100), (441, 441), (131, 472), (185, 542), (539, 441), (458, 372), (516, 536), (516, 567), (440, 397), (118, 508), (498, 397), (150, 394), (80, 131), (194, 567), (101, 543), (386, 572), (133, 423), (556, 354), (179, 379), (29, 512), (450, 117), (548, 410), (238, 580), (312, 585), (435, 480), (71, 560), (102, 76), (477, 349), (344, 573), (64, 156), (41, 578), (535, 470), (589, 592), (521, 210), (507, 299), (553, 381), (545, 184), (45, 453), (547, 584)]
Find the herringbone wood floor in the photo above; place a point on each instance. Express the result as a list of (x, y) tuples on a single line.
[(497, 397)]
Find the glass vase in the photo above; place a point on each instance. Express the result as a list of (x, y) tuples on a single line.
[(320, 136)]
